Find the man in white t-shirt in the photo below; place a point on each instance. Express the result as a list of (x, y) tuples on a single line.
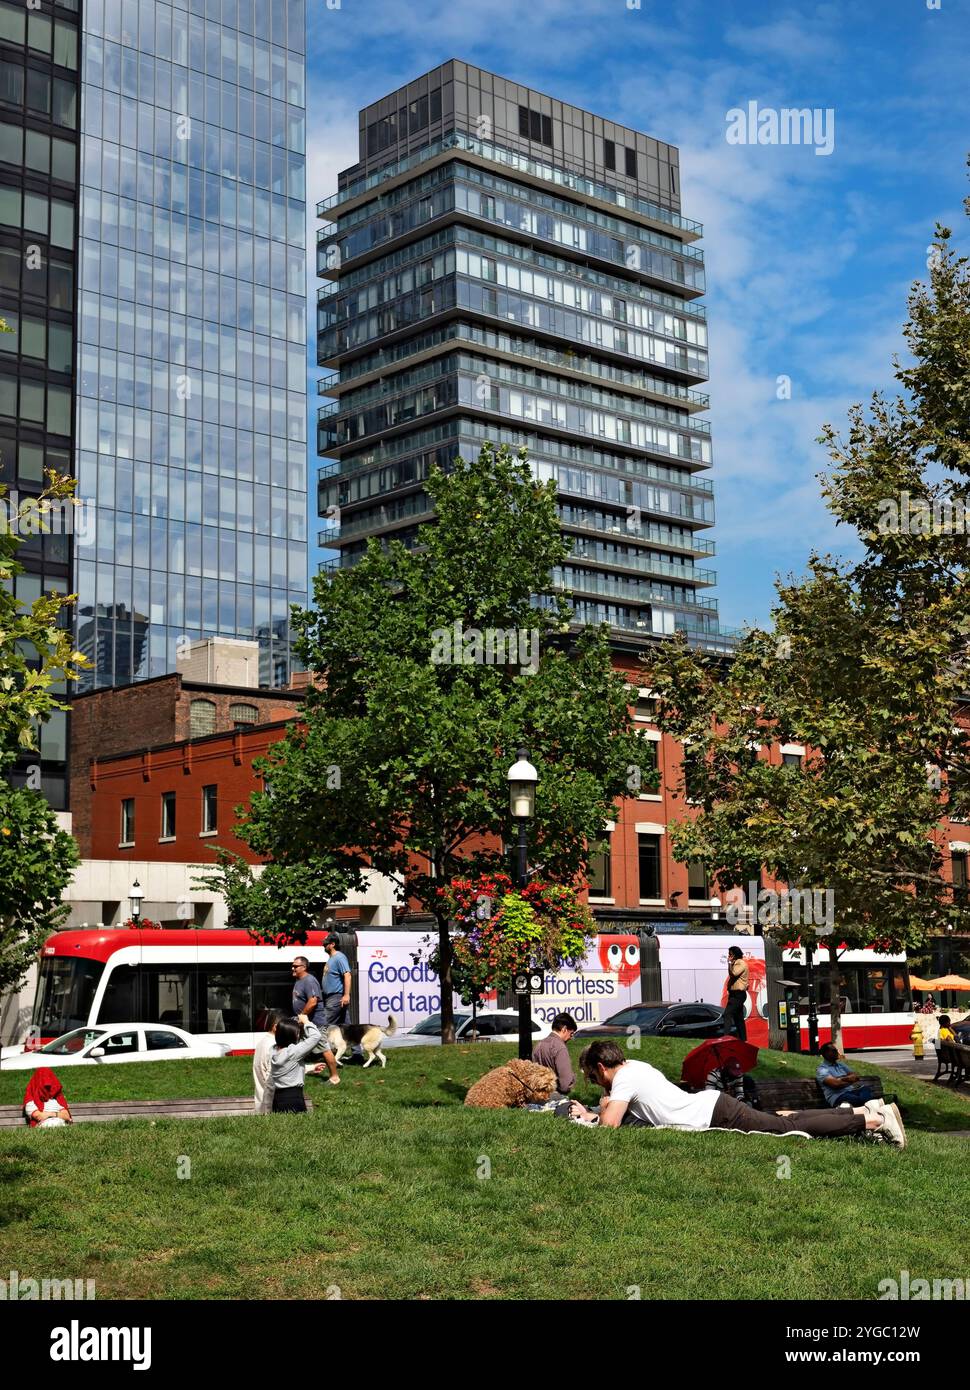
[(636, 1093)]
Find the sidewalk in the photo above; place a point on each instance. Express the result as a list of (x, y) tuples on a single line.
[(899, 1059), (902, 1059)]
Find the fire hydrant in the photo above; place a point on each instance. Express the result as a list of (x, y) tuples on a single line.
[(916, 1038)]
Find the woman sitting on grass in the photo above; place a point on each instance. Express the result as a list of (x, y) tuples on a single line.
[(44, 1103), (296, 1038)]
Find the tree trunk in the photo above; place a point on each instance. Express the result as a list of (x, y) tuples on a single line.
[(835, 998), (445, 979)]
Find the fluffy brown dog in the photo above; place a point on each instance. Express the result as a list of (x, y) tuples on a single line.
[(517, 1083)]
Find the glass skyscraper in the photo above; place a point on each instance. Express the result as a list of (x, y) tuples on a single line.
[(502, 265), (152, 267), (39, 125), (191, 433)]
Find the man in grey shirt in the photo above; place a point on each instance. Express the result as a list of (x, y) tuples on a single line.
[(308, 999), (552, 1052)]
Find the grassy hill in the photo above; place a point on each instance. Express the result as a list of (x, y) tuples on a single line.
[(391, 1189)]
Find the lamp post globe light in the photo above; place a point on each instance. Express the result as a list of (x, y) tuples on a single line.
[(715, 908), (522, 779), (135, 896)]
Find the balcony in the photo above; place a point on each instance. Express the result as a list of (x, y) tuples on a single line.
[(604, 586), (641, 564), (497, 154), (573, 519), (528, 348)]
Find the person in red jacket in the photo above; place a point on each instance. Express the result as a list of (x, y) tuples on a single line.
[(44, 1104)]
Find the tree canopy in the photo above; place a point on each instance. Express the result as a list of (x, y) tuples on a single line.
[(431, 666)]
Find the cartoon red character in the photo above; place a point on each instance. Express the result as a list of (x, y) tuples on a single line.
[(620, 956)]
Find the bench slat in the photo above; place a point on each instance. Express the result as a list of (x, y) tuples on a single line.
[(11, 1116)]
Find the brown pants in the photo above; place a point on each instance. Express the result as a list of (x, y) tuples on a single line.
[(820, 1124)]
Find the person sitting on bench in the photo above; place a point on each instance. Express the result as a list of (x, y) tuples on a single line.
[(44, 1103), (840, 1084), (947, 1034)]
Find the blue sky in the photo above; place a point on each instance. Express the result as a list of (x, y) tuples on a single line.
[(809, 257)]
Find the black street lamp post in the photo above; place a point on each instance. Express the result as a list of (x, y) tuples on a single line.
[(135, 896), (812, 1002), (522, 779)]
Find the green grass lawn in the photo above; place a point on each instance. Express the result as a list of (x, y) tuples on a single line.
[(382, 1193)]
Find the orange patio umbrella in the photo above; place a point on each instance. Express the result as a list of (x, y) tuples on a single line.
[(919, 984), (948, 982)]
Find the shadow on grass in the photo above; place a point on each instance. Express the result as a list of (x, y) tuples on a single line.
[(455, 1090)]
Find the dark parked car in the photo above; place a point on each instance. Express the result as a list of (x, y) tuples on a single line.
[(661, 1020)]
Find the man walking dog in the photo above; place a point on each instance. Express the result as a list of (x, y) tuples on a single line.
[(337, 984)]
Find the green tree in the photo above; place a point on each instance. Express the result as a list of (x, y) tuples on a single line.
[(865, 666), (432, 667), (36, 660), (282, 902)]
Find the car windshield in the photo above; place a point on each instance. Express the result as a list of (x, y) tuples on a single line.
[(431, 1026), (637, 1017), (73, 1042)]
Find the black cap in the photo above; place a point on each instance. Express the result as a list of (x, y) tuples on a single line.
[(332, 938)]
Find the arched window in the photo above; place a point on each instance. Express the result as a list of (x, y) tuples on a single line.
[(241, 715), (202, 718)]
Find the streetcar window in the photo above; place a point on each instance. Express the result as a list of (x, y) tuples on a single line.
[(228, 999), (877, 989), (863, 988), (272, 989), (65, 994), (167, 995), (900, 998), (119, 1003)]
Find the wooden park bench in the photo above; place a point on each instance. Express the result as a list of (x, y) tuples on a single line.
[(952, 1063), (84, 1111), (945, 1061), (800, 1092)]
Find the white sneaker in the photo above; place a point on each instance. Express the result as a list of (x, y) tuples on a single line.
[(874, 1107), (892, 1126)]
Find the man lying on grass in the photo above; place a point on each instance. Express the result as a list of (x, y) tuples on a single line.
[(634, 1093)]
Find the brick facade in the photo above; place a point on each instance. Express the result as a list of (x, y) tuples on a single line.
[(151, 722), (149, 715), (223, 761)]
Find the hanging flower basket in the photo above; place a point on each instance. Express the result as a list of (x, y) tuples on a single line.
[(500, 931)]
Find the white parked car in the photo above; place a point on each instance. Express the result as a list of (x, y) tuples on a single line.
[(117, 1042), (491, 1025)]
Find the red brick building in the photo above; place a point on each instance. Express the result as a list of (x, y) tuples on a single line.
[(175, 802), (146, 789), (160, 724)]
